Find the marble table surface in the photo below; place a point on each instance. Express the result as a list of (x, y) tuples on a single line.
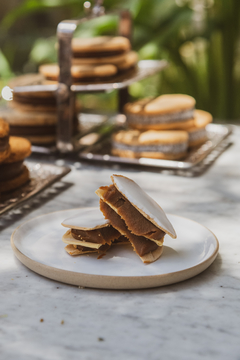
[(198, 318)]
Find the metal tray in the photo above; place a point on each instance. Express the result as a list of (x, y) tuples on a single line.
[(42, 175), (144, 69), (216, 135)]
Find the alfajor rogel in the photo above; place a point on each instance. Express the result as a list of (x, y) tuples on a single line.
[(33, 114), (198, 133), (166, 112), (136, 216), (13, 172), (89, 232), (80, 73), (108, 50), (156, 144)]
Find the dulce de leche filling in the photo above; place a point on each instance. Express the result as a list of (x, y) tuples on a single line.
[(134, 220), (100, 250), (105, 235), (141, 245)]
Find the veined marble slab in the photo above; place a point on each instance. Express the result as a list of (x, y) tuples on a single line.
[(195, 319)]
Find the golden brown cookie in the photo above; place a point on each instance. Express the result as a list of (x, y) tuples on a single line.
[(105, 60), (100, 44), (151, 144), (174, 111), (87, 71), (197, 133), (20, 149), (25, 99), (130, 61)]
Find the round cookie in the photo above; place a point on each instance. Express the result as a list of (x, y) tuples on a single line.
[(166, 112), (151, 144), (16, 182), (4, 140), (44, 97), (130, 61), (100, 45), (31, 101), (38, 127), (197, 133), (79, 72), (13, 172), (20, 149), (110, 60)]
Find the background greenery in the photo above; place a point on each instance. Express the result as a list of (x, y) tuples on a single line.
[(199, 38)]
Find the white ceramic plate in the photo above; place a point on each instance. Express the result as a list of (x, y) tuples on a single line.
[(37, 244)]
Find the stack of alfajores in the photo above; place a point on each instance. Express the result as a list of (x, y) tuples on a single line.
[(97, 59), (13, 151), (32, 115), (161, 128)]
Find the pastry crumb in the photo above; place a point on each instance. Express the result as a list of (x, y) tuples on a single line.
[(41, 320), (62, 322)]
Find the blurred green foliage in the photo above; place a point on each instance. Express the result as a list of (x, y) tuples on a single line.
[(199, 38)]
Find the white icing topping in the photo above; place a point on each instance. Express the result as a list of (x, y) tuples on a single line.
[(144, 203), (86, 219)]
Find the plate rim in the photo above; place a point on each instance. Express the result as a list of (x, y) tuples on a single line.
[(147, 281)]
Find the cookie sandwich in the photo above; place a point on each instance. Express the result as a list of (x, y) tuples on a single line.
[(80, 73), (89, 232), (104, 50), (44, 101), (166, 112), (13, 172), (169, 145), (37, 127), (33, 115), (198, 133), (4, 140), (136, 216)]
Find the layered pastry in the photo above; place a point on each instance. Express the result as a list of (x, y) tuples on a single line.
[(136, 216), (33, 115), (38, 127), (4, 140), (198, 133), (154, 144), (104, 50), (13, 172), (80, 73), (166, 112), (90, 232)]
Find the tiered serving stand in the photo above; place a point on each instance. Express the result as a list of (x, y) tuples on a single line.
[(65, 91), (45, 174)]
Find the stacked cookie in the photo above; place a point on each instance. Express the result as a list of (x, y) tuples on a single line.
[(89, 232), (13, 172), (130, 216), (32, 115), (96, 59), (161, 128)]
